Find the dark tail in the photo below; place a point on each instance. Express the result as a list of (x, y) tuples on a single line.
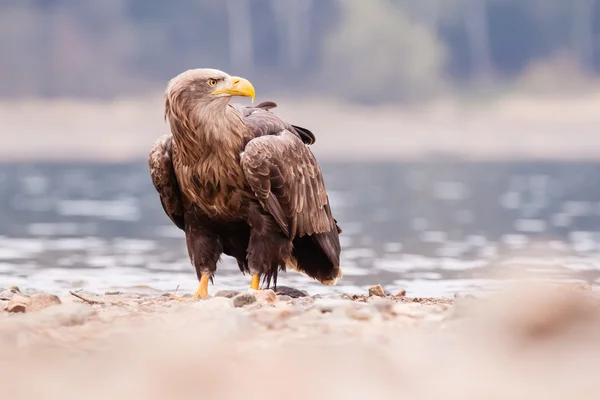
[(318, 256)]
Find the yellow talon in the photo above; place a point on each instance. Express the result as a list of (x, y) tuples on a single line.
[(202, 291), (172, 296), (255, 281)]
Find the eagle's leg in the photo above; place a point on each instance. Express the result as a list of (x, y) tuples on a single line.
[(268, 247), (255, 281), (202, 291), (204, 250)]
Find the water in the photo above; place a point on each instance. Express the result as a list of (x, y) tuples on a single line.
[(431, 228)]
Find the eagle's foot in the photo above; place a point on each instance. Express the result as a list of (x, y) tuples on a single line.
[(200, 293), (255, 282), (172, 296)]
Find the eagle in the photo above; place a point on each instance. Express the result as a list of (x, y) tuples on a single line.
[(239, 180)]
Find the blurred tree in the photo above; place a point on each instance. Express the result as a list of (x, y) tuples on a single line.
[(293, 18), (378, 54), (110, 47), (241, 49), (476, 24), (583, 33)]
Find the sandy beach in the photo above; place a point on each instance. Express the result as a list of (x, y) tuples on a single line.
[(533, 341)]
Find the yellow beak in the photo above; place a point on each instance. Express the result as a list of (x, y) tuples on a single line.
[(239, 87)]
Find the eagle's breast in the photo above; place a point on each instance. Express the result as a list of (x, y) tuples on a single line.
[(218, 189)]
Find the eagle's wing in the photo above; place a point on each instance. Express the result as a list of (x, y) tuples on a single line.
[(165, 180), (284, 175), (306, 135)]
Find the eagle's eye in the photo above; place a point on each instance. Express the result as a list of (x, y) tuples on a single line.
[(212, 82)]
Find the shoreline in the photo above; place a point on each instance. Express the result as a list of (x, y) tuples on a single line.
[(509, 129), (131, 346)]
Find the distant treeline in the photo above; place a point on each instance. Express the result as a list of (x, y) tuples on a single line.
[(366, 50)]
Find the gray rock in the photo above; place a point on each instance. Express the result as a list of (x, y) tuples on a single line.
[(289, 291), (243, 299), (227, 293), (7, 294)]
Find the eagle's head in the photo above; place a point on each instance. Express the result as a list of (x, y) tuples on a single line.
[(204, 86)]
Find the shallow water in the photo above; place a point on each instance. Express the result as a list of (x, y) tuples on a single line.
[(431, 228)]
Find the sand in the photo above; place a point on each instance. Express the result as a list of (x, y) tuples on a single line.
[(533, 341)]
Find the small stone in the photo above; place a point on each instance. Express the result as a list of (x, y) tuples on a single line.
[(376, 290), (401, 293), (18, 304), (6, 294), (68, 314), (284, 298), (115, 293), (289, 291), (227, 293), (243, 299), (328, 305), (40, 301), (359, 314), (215, 303), (383, 305), (581, 286), (265, 296)]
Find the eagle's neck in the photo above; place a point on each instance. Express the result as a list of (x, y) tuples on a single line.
[(209, 139), (207, 129)]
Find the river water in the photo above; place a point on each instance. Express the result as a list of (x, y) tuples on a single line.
[(432, 228)]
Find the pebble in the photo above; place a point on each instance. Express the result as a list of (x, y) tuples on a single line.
[(227, 293), (265, 296), (383, 305), (360, 313), (40, 301), (68, 314), (377, 290), (216, 303), (7, 294), (17, 304), (328, 305), (289, 291), (243, 299)]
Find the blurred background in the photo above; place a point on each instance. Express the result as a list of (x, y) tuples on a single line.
[(457, 137)]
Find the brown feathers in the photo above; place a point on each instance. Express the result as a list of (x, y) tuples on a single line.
[(245, 180)]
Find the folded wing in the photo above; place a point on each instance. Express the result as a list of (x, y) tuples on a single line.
[(284, 175), (164, 179)]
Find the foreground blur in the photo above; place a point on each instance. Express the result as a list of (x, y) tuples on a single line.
[(528, 342)]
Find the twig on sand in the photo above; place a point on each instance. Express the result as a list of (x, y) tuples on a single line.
[(89, 301)]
